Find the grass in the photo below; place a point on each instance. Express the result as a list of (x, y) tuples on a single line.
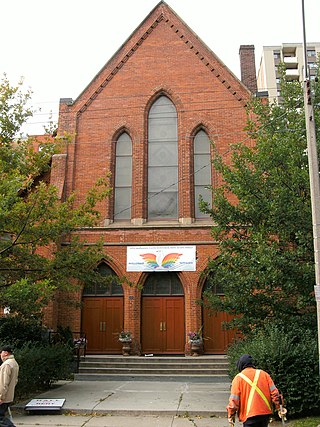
[(303, 422), (307, 422)]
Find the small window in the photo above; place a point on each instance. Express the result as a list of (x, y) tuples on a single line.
[(202, 172), (123, 178), (162, 284), (311, 52), (113, 287), (212, 286)]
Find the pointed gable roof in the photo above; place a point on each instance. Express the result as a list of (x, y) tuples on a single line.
[(161, 12)]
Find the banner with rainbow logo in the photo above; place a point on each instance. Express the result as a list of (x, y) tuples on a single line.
[(161, 258)]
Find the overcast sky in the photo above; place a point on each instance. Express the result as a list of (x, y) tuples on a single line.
[(59, 46)]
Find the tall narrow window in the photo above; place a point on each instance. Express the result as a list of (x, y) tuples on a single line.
[(202, 172), (123, 178), (162, 160)]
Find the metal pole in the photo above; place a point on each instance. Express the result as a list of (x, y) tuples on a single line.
[(313, 175)]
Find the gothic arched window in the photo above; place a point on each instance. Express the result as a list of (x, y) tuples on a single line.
[(123, 178), (202, 172), (162, 160)]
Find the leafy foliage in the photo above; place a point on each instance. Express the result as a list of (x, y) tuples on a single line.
[(266, 261), (34, 220), (290, 355), (41, 366), (17, 331)]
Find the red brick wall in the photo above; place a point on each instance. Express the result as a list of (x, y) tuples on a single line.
[(165, 57), (248, 67)]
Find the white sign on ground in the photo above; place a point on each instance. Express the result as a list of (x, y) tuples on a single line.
[(44, 404)]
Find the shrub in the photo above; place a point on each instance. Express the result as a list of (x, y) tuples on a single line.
[(40, 366), (17, 331), (291, 358)]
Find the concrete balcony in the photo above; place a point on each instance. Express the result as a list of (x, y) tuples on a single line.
[(292, 74), (290, 61)]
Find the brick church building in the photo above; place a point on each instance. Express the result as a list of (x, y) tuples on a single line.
[(149, 117)]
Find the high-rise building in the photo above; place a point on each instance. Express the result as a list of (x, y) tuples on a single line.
[(291, 55)]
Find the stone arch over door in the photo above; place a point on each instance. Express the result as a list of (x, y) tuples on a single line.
[(102, 313), (162, 322), (217, 338)]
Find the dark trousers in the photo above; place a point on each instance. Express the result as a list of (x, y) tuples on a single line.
[(5, 421), (3, 409), (257, 421)]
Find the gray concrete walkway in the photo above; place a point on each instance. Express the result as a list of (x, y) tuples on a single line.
[(131, 403), (160, 403)]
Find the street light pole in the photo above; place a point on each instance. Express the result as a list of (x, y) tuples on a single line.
[(313, 174)]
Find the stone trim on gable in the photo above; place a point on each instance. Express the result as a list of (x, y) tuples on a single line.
[(218, 71)]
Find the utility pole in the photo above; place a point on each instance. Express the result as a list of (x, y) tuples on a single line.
[(313, 174)]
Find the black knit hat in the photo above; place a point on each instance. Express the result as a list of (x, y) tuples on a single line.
[(7, 348), (245, 361)]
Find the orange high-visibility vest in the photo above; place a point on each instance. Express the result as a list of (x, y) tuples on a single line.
[(252, 393)]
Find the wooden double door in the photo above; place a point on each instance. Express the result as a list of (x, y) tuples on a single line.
[(102, 320), (163, 325), (217, 338)]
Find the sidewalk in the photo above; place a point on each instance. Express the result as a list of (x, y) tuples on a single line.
[(123, 403)]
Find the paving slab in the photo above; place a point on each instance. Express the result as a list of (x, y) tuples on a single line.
[(140, 397), (108, 420)]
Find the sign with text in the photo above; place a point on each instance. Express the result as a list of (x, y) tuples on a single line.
[(161, 258), (44, 404)]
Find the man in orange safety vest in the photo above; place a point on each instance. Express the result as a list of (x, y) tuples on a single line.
[(252, 395)]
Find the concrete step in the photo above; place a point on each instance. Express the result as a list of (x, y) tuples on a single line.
[(100, 367), (219, 379), (141, 365), (150, 371)]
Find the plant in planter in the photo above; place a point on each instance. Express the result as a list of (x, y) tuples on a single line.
[(125, 338), (195, 337), (195, 340)]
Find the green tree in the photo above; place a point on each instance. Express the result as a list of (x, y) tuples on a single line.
[(266, 261), (34, 221)]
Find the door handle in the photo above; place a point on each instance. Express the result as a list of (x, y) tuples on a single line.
[(102, 326), (164, 326), (161, 326)]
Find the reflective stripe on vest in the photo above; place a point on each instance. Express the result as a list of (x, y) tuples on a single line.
[(254, 388)]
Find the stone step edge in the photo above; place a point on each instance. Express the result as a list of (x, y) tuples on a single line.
[(162, 375)]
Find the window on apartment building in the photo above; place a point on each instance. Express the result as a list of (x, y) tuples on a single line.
[(162, 160), (202, 171), (276, 54), (311, 52), (123, 178)]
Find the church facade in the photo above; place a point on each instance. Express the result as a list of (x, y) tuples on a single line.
[(149, 117)]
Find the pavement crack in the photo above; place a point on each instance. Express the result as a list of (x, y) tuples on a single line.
[(93, 414), (185, 388), (102, 400)]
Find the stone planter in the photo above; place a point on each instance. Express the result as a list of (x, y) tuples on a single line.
[(126, 346), (196, 347)]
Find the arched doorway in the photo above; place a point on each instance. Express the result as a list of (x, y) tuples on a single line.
[(163, 314), (102, 314), (217, 338)]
